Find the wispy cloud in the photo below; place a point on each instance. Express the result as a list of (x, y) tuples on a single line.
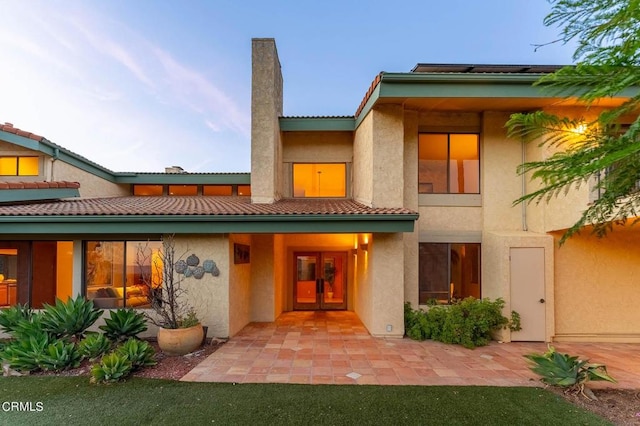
[(200, 94)]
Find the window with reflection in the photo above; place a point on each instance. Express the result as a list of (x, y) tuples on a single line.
[(448, 271), (319, 180), (448, 163), (8, 277), (121, 273)]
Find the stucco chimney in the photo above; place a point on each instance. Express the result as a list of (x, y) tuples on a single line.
[(266, 108), (174, 169)]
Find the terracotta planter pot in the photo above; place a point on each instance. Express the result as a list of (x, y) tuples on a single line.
[(180, 341)]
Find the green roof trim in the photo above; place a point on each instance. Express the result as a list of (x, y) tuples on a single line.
[(13, 195), (185, 178), (301, 124), (462, 85), (59, 153), (277, 224)]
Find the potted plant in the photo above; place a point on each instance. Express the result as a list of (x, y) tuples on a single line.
[(329, 276), (179, 329)]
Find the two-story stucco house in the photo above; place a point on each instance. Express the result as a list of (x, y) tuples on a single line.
[(411, 199)]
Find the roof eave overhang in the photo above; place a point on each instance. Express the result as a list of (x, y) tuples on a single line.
[(17, 195), (203, 224), (461, 85), (58, 153)]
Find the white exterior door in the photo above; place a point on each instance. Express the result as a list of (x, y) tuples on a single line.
[(527, 292)]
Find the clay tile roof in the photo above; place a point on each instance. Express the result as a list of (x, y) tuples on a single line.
[(373, 86), (195, 205), (38, 185), (8, 127)]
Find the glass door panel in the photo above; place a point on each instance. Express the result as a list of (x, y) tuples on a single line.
[(306, 284), (335, 283), (320, 280)]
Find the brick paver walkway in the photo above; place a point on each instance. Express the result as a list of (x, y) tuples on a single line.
[(335, 348)]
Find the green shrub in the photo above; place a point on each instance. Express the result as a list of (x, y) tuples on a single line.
[(566, 371), (139, 353), (59, 356), (25, 354), (468, 322), (436, 317), (70, 318), (94, 345), (10, 317), (123, 324), (416, 325), (112, 368)]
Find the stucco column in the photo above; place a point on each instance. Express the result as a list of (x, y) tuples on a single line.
[(388, 156), (411, 202), (386, 263), (262, 278), (266, 108)]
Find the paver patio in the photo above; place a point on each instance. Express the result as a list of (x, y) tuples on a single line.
[(335, 348)]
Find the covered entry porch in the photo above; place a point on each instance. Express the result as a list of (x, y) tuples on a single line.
[(357, 272)]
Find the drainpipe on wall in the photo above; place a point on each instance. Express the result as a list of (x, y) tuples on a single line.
[(524, 190), (56, 155)]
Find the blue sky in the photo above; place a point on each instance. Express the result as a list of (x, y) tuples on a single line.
[(140, 85)]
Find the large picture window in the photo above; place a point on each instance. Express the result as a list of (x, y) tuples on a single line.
[(319, 180), (448, 163), (114, 272), (448, 271)]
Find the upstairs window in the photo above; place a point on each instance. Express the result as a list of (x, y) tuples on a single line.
[(19, 166), (319, 180), (448, 163)]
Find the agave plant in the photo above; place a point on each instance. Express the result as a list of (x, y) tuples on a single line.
[(567, 371), (59, 356), (123, 324), (94, 345), (25, 354), (70, 318), (139, 353), (10, 317), (112, 368)]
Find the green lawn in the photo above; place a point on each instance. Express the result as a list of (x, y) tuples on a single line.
[(72, 400)]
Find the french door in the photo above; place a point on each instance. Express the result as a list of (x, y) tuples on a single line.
[(320, 280)]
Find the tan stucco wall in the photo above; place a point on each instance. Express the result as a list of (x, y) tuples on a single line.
[(598, 287), (449, 121), (210, 295), (90, 185), (411, 201), (321, 147), (266, 107), (500, 182), (496, 272), (263, 304), (388, 156), (239, 287), (363, 162)]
